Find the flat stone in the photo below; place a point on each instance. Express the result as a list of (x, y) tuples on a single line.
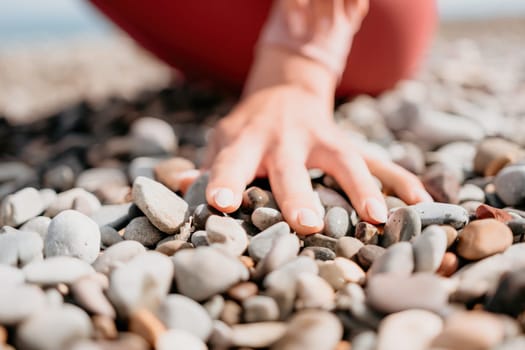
[(21, 206), (180, 312), (196, 193), (389, 293), (470, 330), (117, 255), (368, 254), (141, 230), (487, 212), (57, 269), (260, 308), (257, 335), (320, 240), (402, 225), (261, 243), (179, 339), (311, 330), (227, 232), (509, 184), (54, 328), (19, 247), (39, 224), (171, 247), (167, 171), (164, 209), (314, 292), (70, 199), (509, 297), (442, 214), (348, 247), (92, 179), (264, 217), (143, 282), (470, 192), (367, 233), (341, 271), (18, 302), (483, 238), (319, 253), (409, 330), (336, 222), (397, 259), (429, 249), (115, 215), (203, 272)]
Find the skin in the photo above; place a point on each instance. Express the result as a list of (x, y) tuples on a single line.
[(282, 126)]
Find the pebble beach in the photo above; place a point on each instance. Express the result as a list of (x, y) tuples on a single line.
[(102, 247)]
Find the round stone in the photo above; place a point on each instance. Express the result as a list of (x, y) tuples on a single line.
[(257, 335), (313, 292), (164, 209), (92, 179), (19, 302), (243, 291), (368, 254), (156, 131), (348, 247), (397, 259), (179, 339), (55, 270), (402, 225), (341, 271), (264, 217), (21, 206), (254, 197), (226, 232), (71, 199), (510, 184), (141, 230), (72, 233), (429, 249), (196, 193), (283, 250), (483, 238), (40, 225), (470, 192), (261, 243), (117, 255), (259, 308), (336, 222), (180, 312), (441, 214)]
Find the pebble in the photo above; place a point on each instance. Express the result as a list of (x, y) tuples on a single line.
[(311, 330), (144, 323), (39, 224), (71, 199), (442, 214), (201, 214), (109, 236), (402, 225), (179, 339), (470, 192), (205, 271), (10, 276), (487, 212), (389, 293), (483, 238), (57, 269), (255, 197), (231, 313), (221, 337), (171, 247), (214, 306), (366, 340), (180, 312), (336, 222), (314, 292), (111, 195), (261, 243), (167, 171), (429, 249), (408, 330), (398, 259), (320, 240), (257, 335), (367, 233), (88, 292), (117, 255), (196, 193), (115, 215), (72, 233), (227, 232), (20, 206), (449, 265), (284, 249), (319, 253), (54, 328), (368, 254), (341, 271), (510, 184), (452, 234), (92, 179), (442, 184), (348, 247), (260, 308), (199, 238), (492, 154), (330, 198), (143, 282), (141, 230), (509, 297), (156, 131), (242, 291), (18, 302), (470, 330), (19, 247), (164, 209), (264, 217)]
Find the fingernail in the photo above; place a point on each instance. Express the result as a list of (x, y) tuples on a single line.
[(376, 210), (308, 218), (223, 197), (424, 196)]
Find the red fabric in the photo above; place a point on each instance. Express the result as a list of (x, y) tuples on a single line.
[(215, 39)]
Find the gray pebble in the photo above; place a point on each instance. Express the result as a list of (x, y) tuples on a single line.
[(21, 206), (72, 233), (180, 312), (336, 222), (70, 199), (92, 179), (259, 308), (510, 184), (199, 238), (57, 269), (20, 247), (368, 254), (143, 166), (179, 339), (109, 236), (442, 214), (319, 253), (156, 131), (227, 232), (397, 259), (196, 193), (143, 282), (205, 271), (141, 230), (164, 208), (264, 217), (54, 328), (257, 335), (470, 192), (348, 247), (284, 249), (19, 302), (117, 255), (40, 224), (261, 243), (319, 240), (402, 225), (429, 249), (201, 214), (114, 215)]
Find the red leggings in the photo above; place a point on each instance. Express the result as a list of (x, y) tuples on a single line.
[(215, 39)]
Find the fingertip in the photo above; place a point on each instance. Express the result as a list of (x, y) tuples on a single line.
[(307, 222), (422, 196), (223, 199), (376, 210)]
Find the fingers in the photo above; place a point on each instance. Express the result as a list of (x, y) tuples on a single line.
[(352, 174), (233, 168), (406, 185), (293, 191)]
